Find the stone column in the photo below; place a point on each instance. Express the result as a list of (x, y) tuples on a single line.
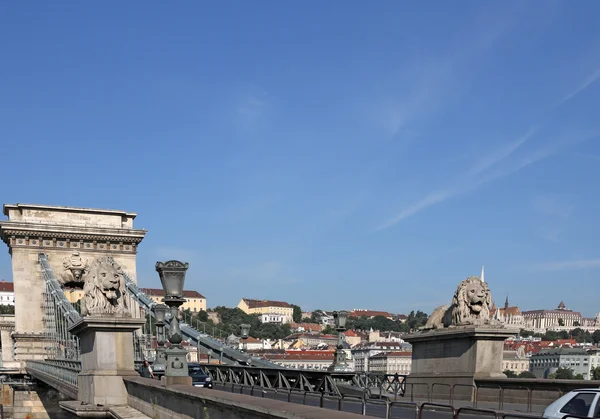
[(65, 235), (107, 356)]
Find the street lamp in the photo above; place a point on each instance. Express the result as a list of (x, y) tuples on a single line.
[(245, 329), (172, 278), (339, 359), (160, 362)]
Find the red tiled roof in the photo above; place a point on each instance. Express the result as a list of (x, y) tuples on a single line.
[(6, 286), (265, 303), (311, 327), (511, 311), (157, 292)]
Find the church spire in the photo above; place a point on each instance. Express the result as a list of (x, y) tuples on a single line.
[(482, 273), (506, 303)]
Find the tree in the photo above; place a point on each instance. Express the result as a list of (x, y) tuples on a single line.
[(563, 373), (510, 374), (329, 330), (596, 336), (7, 309), (307, 320), (315, 316), (202, 316), (595, 373), (297, 315), (561, 322), (578, 377), (576, 323), (527, 374)]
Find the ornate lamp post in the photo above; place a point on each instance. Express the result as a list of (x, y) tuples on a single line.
[(339, 360), (245, 329), (172, 278), (160, 362)]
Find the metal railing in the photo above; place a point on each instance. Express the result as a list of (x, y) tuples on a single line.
[(58, 373), (367, 407), (203, 341)]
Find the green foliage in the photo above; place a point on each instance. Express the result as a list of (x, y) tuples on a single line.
[(595, 373), (596, 336), (202, 316), (315, 316), (527, 374), (7, 309), (510, 374), (578, 377), (328, 330), (561, 322), (562, 373), (416, 320), (576, 324), (307, 320), (232, 318), (297, 315)]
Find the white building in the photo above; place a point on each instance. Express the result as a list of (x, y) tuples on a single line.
[(274, 318), (362, 353), (562, 318), (253, 344), (7, 293), (515, 361), (397, 362)]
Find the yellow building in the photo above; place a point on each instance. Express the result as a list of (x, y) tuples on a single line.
[(73, 294), (267, 309), (195, 301)]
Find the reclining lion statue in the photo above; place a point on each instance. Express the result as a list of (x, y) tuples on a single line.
[(470, 307), (104, 289)]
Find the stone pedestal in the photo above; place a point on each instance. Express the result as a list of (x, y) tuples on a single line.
[(455, 356), (177, 371), (106, 356)]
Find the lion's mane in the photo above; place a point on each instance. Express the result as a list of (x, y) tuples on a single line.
[(95, 301), (459, 313)]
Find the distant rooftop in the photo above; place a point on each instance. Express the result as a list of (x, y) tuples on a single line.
[(157, 292), (265, 303)]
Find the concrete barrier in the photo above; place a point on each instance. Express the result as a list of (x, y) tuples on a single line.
[(154, 400)]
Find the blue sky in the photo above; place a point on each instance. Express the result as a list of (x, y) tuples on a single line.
[(330, 154)]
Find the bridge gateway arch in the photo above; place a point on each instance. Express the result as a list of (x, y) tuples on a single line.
[(70, 237)]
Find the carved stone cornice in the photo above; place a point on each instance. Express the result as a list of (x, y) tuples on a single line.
[(42, 236)]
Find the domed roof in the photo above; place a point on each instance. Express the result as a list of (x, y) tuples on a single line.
[(561, 306)]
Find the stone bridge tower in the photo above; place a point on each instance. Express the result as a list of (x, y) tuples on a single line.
[(70, 237)]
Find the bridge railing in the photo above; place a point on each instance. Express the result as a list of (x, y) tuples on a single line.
[(58, 373)]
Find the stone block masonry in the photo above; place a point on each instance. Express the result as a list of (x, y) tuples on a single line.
[(64, 234), (35, 402)]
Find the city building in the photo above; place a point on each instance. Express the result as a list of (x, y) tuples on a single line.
[(272, 308), (73, 294), (306, 327), (309, 340), (353, 337), (253, 344), (302, 360), (362, 352), (548, 360), (273, 318), (7, 293), (510, 316), (562, 318), (377, 336), (194, 300), (515, 361), (395, 362)]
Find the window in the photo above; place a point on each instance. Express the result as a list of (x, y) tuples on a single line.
[(597, 410), (579, 405)]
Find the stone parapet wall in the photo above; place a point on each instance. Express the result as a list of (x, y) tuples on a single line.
[(151, 398)]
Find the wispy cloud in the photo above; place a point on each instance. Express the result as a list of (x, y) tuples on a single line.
[(569, 265), (553, 205), (252, 105), (428, 201), (591, 79), (472, 182), (498, 155)]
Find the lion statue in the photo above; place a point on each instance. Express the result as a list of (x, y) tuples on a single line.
[(104, 289), (470, 306)]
